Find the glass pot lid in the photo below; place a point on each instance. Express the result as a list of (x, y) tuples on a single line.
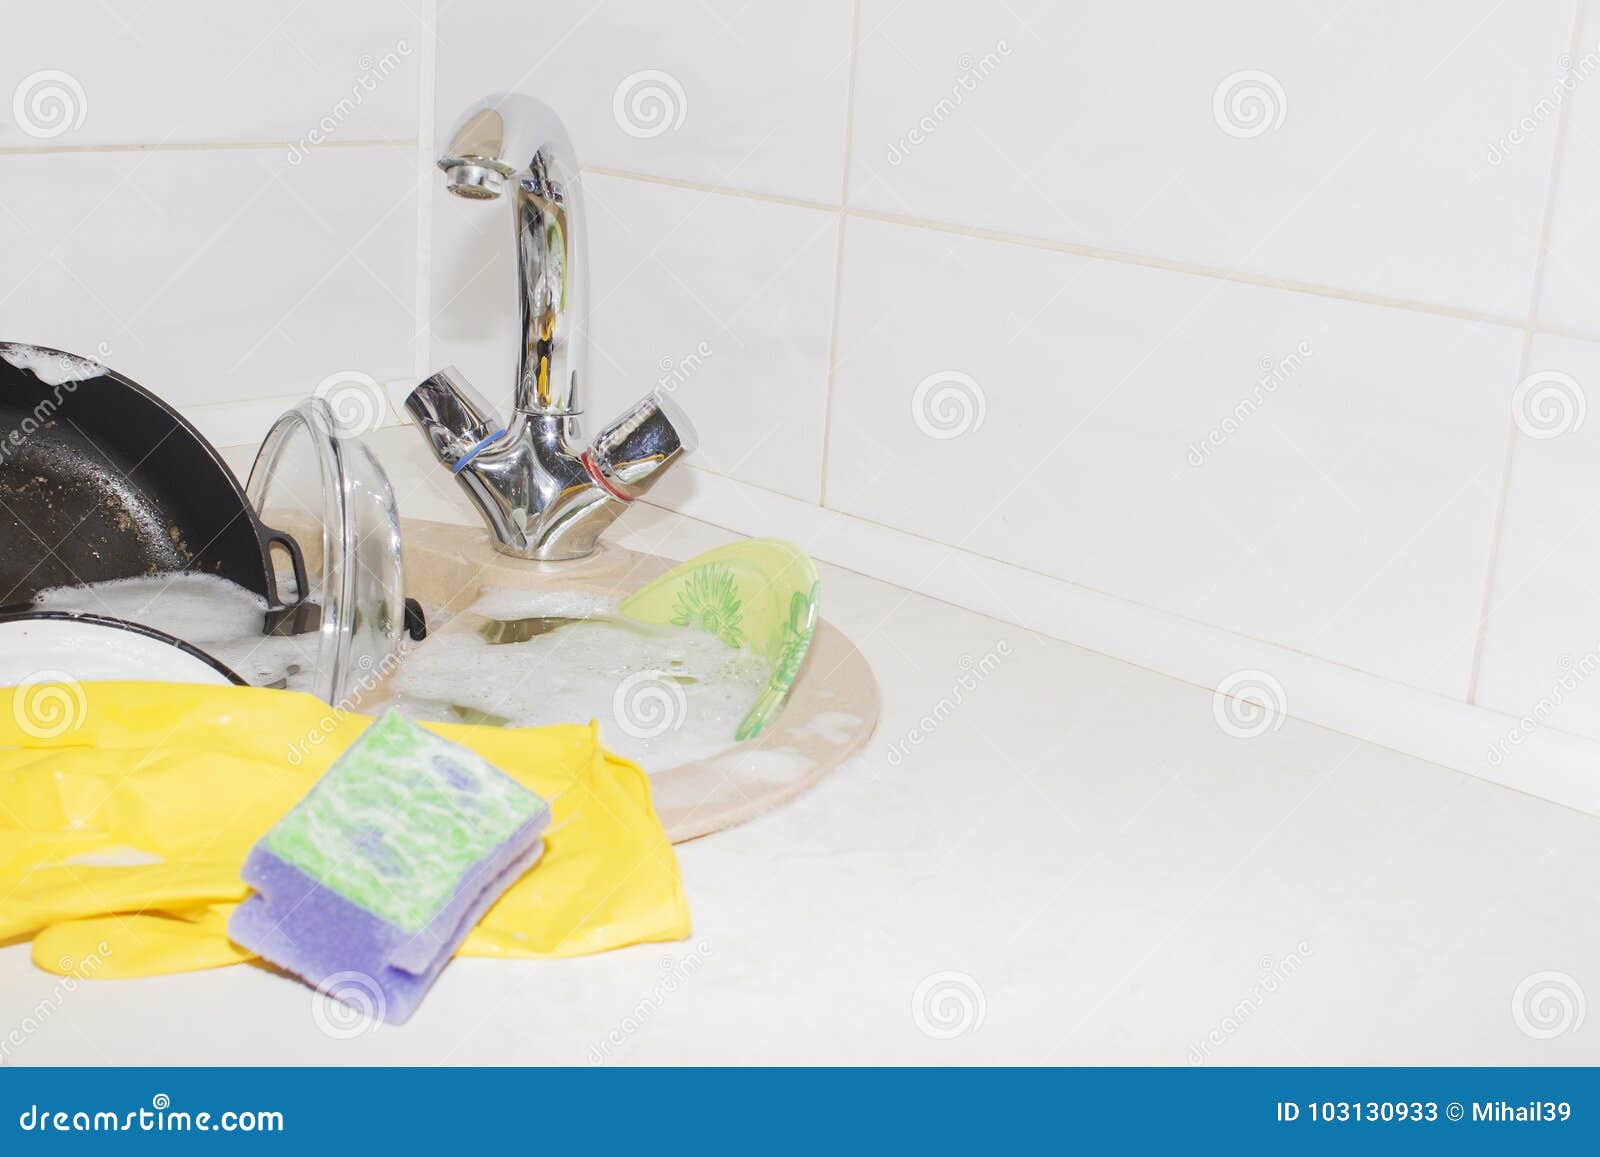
[(329, 493)]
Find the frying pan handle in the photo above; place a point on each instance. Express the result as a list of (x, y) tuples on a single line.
[(269, 539)]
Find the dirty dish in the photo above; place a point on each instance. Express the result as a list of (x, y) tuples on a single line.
[(761, 593), (100, 479), (40, 649)]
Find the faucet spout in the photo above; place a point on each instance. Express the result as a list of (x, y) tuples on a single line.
[(511, 141)]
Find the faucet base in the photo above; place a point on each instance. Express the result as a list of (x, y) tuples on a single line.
[(544, 553)]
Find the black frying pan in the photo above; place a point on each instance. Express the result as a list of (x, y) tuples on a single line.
[(100, 479)]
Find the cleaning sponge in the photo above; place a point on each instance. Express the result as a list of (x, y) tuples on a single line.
[(388, 863)]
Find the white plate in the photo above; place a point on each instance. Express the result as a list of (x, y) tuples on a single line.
[(54, 647)]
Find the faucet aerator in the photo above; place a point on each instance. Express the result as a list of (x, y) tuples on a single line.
[(474, 182)]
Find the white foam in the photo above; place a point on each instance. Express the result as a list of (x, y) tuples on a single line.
[(50, 367), (206, 611), (663, 696), (505, 605), (831, 726), (195, 607)]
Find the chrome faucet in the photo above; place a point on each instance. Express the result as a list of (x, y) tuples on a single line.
[(540, 494)]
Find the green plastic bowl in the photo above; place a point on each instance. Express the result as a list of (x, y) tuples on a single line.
[(761, 593)]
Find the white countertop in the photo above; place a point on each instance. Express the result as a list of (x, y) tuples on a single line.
[(1079, 845)]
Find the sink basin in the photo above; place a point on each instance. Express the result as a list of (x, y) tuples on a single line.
[(830, 714)]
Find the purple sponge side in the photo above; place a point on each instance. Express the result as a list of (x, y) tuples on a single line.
[(300, 925)]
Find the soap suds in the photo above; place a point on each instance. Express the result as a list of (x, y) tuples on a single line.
[(664, 696), (506, 605), (50, 367), (831, 726), (206, 611)]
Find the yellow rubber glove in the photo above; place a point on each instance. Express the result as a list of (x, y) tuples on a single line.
[(126, 810)]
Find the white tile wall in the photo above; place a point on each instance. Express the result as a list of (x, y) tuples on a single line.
[(1097, 124), (847, 197), (1350, 513), (1542, 646), (215, 274), (1570, 296), (745, 96), (219, 202), (187, 71)]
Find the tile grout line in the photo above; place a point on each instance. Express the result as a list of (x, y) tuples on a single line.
[(427, 67), (1170, 265), (838, 257), (202, 146), (1530, 329), (702, 187), (1115, 256), (1496, 530)]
